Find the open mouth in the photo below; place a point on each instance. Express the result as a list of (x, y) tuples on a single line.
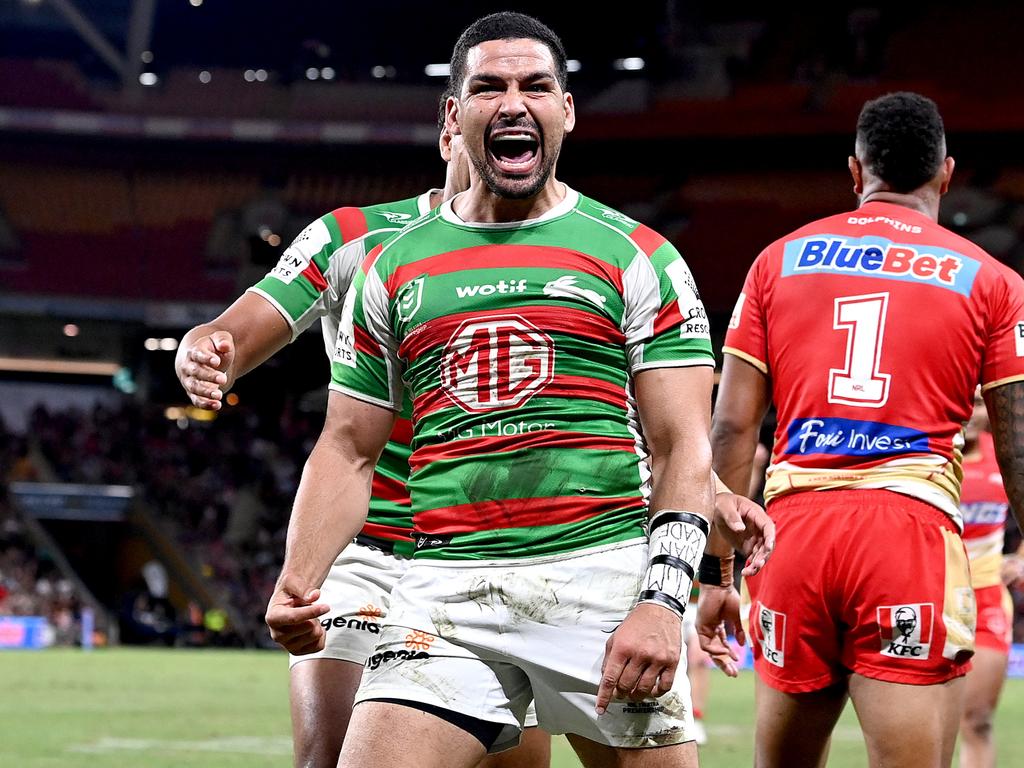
[(515, 151)]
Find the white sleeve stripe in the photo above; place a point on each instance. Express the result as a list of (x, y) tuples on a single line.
[(616, 230), (641, 294), (360, 239), (695, 363), (276, 305), (405, 231), (362, 396)]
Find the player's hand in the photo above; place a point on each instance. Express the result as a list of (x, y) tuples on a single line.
[(718, 610), (205, 367), (1013, 571), (293, 617), (747, 528), (641, 656)]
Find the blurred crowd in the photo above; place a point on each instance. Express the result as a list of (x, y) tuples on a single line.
[(221, 491), (30, 582)]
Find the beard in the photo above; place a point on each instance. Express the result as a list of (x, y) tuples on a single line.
[(515, 187)]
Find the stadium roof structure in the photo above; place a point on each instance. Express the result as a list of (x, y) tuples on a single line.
[(393, 39)]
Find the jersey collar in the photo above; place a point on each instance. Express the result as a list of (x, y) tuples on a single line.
[(423, 201), (571, 199)]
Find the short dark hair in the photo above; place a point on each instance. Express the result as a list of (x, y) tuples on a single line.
[(442, 109), (506, 25), (902, 139)]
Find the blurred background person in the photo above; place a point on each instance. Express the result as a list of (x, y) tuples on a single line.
[(984, 506)]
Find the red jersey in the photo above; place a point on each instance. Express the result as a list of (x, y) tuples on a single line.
[(984, 505), (875, 327)]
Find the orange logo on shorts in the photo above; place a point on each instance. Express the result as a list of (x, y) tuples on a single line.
[(370, 611), (418, 641)]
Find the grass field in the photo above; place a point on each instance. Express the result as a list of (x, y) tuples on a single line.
[(218, 709)]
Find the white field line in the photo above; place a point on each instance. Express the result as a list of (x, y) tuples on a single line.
[(246, 745)]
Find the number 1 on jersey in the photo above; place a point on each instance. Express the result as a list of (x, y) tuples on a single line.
[(860, 383)]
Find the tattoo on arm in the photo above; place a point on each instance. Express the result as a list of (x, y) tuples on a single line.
[(1006, 412)]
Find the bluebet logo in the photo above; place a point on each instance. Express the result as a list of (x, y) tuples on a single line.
[(880, 258), (849, 437)]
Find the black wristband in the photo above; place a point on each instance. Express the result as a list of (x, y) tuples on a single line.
[(673, 562), (665, 599), (710, 570), (660, 518)]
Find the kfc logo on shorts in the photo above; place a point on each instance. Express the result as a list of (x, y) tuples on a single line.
[(906, 630), (771, 625)]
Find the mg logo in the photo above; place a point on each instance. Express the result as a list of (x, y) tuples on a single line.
[(496, 362)]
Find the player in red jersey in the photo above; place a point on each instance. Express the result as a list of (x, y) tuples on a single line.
[(984, 505), (870, 331)]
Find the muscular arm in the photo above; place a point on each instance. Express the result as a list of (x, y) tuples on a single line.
[(674, 405), (743, 398), (330, 507), (334, 492), (1006, 412), (213, 355)]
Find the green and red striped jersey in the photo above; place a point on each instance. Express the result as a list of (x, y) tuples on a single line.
[(517, 343), (310, 281)]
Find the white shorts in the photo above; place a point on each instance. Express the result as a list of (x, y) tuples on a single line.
[(485, 638), (358, 589)]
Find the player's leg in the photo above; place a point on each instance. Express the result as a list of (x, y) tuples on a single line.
[(985, 680), (534, 751), (594, 755), (983, 685), (794, 729), (795, 634), (908, 726), (910, 611), (392, 735), (321, 694), (323, 684)]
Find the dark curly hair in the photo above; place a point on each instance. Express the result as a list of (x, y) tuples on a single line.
[(506, 25), (902, 139), (442, 112)]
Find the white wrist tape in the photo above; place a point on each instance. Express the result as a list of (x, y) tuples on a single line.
[(677, 541)]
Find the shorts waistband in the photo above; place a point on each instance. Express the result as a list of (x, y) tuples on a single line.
[(384, 545), (847, 497)]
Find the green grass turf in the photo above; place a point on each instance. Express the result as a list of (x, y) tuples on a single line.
[(218, 709)]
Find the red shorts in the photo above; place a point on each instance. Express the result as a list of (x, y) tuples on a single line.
[(867, 581), (995, 618)]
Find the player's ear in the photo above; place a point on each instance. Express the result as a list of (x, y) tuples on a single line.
[(451, 120), (947, 173), (444, 143), (857, 173), (570, 112)]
